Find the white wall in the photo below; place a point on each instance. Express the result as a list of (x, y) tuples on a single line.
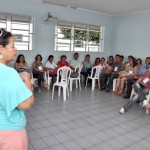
[(44, 38), (131, 35)]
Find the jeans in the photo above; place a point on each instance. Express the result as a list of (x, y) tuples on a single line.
[(141, 95)]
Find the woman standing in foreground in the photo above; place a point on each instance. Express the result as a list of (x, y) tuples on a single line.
[(15, 97)]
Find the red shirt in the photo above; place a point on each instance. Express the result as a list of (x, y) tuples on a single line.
[(62, 64)]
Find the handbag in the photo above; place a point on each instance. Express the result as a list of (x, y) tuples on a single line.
[(74, 74)]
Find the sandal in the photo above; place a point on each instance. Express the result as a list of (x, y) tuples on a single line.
[(120, 92)]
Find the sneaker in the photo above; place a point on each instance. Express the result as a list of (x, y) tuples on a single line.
[(145, 102), (126, 96), (121, 111)]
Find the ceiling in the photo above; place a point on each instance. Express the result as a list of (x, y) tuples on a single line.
[(112, 7)]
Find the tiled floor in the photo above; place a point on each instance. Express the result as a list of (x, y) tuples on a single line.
[(86, 121)]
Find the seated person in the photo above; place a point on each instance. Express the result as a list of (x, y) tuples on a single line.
[(38, 71), (141, 87), (21, 65), (131, 81), (63, 62), (75, 63), (52, 67), (87, 67), (112, 74), (110, 61), (104, 64), (97, 62), (139, 63), (130, 71)]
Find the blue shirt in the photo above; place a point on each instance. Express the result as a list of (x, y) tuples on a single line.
[(142, 70), (13, 91)]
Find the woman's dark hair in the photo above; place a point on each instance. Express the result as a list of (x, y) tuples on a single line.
[(18, 58), (111, 57), (134, 62), (97, 59), (38, 56), (4, 37), (63, 56), (50, 56), (140, 60)]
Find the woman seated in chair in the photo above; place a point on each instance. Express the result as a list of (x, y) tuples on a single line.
[(63, 62), (130, 71), (97, 62), (139, 63), (38, 71), (52, 67), (87, 67), (141, 88), (21, 65), (110, 61)]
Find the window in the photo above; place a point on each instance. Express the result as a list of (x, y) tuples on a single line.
[(21, 27), (78, 37)]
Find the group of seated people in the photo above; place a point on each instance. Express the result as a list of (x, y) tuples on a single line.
[(132, 73)]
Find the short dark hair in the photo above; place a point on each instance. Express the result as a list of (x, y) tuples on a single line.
[(4, 37), (38, 56), (117, 55), (63, 56), (50, 56), (76, 54), (121, 56), (87, 55)]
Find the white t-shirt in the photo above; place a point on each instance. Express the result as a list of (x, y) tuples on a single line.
[(75, 63), (50, 65)]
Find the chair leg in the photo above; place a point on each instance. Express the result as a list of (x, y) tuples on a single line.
[(67, 91), (59, 90), (53, 91), (71, 81), (76, 83), (79, 84), (86, 82), (64, 92), (99, 83), (93, 84)]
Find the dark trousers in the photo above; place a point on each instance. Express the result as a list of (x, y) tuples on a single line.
[(110, 82), (130, 82), (39, 76), (103, 79), (141, 95), (53, 76), (85, 75)]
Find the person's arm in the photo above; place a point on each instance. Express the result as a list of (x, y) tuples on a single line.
[(16, 66), (28, 103)]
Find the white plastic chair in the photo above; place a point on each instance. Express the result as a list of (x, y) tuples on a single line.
[(114, 84), (77, 79), (96, 73), (64, 74), (48, 79)]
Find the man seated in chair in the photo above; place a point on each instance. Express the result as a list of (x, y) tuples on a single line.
[(112, 74), (141, 88), (75, 63)]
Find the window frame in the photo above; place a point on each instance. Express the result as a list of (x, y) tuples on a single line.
[(82, 27)]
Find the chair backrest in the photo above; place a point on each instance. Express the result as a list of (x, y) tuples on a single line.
[(96, 71), (63, 73)]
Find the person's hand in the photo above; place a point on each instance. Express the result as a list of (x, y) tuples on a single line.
[(25, 77)]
